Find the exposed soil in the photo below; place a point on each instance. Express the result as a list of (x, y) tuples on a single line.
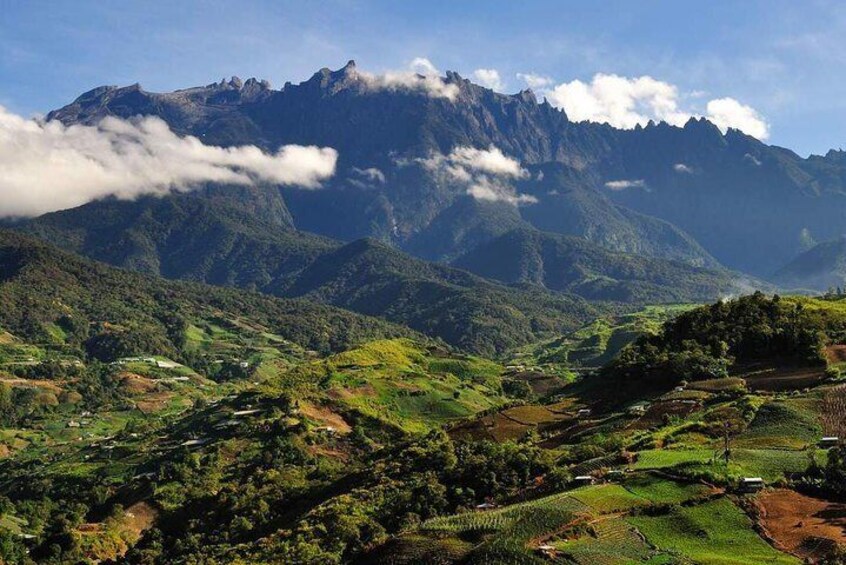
[(836, 353), (140, 517), (154, 402), (805, 526), (326, 417), (136, 384), (52, 386)]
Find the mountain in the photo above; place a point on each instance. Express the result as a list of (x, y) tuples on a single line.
[(572, 264), (184, 236), (224, 236), (52, 297), (821, 267), (390, 142), (689, 193)]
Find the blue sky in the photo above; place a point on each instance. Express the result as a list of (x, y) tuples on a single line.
[(784, 59)]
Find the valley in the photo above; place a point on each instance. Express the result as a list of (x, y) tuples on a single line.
[(233, 435)]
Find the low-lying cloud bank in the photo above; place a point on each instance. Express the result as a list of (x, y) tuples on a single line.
[(421, 75), (46, 167), (625, 102), (487, 174)]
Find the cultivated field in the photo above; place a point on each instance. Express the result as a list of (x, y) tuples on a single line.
[(802, 525)]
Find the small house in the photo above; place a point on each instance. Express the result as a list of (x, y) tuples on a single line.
[(247, 412), (583, 480), (678, 389), (486, 506), (583, 413), (194, 442), (751, 484), (614, 475), (74, 424), (547, 550), (637, 410), (829, 441)]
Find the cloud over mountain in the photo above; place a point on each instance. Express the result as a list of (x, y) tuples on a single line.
[(486, 173), (627, 102), (489, 78), (48, 166), (420, 75)]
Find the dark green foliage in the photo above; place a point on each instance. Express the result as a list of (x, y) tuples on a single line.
[(430, 477), (128, 314), (212, 237), (706, 342)]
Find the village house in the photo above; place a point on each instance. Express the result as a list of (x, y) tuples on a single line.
[(583, 480), (829, 441), (751, 484)]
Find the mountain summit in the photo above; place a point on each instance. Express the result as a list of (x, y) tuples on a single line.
[(690, 193)]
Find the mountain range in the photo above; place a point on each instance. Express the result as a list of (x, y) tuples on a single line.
[(691, 193)]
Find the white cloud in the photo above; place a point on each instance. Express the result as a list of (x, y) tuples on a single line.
[(47, 166), (420, 75), (752, 159), (491, 160), (372, 174), (682, 168), (486, 173), (619, 101), (624, 184), (729, 113), (489, 78), (627, 102), (535, 81)]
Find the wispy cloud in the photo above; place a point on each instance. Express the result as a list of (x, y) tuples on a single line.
[(624, 184), (485, 174), (420, 75), (47, 166), (535, 81), (489, 78)]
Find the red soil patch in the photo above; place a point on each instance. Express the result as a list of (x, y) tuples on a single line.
[(325, 451), (136, 384), (14, 382), (836, 353), (154, 402), (326, 417), (494, 427), (805, 526)]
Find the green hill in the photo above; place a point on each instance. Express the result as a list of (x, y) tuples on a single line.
[(214, 240), (53, 297), (820, 268), (575, 265)]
